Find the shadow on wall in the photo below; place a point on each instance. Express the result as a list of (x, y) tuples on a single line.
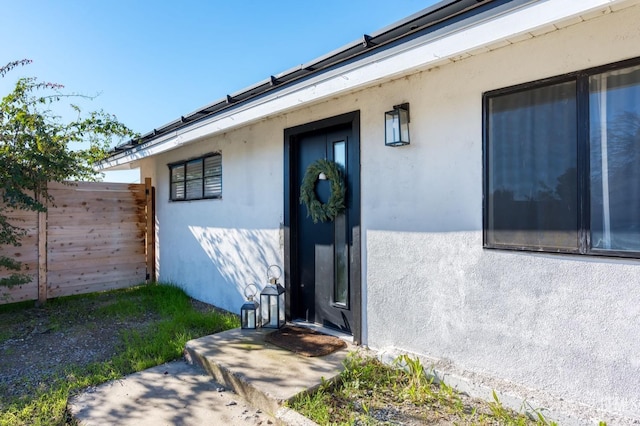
[(241, 256)]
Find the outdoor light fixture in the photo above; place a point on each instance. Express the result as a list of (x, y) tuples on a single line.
[(396, 126), (249, 311), (272, 301)]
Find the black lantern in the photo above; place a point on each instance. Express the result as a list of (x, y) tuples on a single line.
[(249, 311), (272, 301), (396, 126)]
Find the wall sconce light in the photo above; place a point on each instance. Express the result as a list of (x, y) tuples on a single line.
[(396, 126)]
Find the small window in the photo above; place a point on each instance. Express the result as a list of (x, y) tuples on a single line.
[(197, 179), (562, 164)]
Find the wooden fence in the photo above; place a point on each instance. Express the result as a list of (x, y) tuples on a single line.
[(94, 236)]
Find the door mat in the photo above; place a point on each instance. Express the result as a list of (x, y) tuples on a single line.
[(304, 341)]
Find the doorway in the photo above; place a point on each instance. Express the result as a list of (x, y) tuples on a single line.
[(322, 260)]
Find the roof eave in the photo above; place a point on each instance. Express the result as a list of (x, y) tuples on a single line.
[(217, 116), (377, 39)]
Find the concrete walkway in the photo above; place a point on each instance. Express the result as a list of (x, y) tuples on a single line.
[(245, 381), (171, 394)]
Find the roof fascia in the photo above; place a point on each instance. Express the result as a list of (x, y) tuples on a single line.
[(505, 20)]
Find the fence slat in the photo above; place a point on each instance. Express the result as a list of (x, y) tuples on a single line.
[(62, 230), (83, 278), (84, 289)]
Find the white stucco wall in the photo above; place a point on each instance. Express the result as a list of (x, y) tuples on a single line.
[(547, 326), (214, 248), (564, 325)]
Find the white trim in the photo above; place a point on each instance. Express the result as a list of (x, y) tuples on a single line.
[(420, 53)]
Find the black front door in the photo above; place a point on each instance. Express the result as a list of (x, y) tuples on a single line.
[(326, 266)]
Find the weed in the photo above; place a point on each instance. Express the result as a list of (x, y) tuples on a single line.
[(367, 386), (316, 405), (536, 414), (504, 415)]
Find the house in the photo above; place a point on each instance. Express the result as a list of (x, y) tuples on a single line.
[(502, 243)]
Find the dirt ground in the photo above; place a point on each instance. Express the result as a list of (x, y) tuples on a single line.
[(38, 344)]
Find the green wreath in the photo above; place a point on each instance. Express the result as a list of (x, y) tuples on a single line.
[(317, 210)]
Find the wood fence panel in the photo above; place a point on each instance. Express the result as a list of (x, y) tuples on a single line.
[(96, 237), (26, 253), (76, 258)]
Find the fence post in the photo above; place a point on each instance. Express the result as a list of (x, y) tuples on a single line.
[(150, 235), (42, 258)]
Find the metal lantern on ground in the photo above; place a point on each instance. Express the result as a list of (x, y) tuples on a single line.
[(396, 126), (272, 309), (249, 318)]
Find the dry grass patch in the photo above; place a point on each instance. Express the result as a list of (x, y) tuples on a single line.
[(369, 392), (50, 353)]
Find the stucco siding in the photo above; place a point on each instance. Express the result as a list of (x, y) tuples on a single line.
[(214, 248), (561, 325)]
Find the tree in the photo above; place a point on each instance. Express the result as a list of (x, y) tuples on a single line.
[(38, 146)]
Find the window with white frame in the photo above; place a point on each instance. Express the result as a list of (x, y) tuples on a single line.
[(196, 179), (562, 163)]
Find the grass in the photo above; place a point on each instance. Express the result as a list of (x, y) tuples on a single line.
[(175, 322), (369, 392)]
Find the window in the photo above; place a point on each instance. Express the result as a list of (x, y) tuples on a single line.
[(562, 164), (197, 179)]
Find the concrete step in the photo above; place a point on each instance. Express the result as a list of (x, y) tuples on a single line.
[(175, 393), (265, 375)]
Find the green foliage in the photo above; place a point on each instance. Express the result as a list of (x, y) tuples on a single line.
[(318, 211), (414, 369), (15, 278), (502, 414), (316, 405), (367, 387), (162, 340), (37, 146)]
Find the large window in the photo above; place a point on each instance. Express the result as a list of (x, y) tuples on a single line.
[(196, 179), (562, 164)]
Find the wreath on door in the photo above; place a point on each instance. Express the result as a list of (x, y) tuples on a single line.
[(323, 212)]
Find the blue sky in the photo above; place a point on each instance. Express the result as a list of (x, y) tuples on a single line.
[(153, 61)]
